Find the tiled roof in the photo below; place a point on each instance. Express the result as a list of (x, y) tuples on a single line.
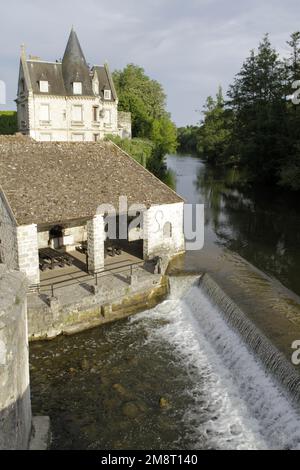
[(47, 183), (73, 68)]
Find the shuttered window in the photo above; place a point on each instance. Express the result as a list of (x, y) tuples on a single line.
[(44, 112), (107, 116), (77, 114)]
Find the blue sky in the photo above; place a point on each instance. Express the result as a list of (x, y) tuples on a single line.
[(190, 46)]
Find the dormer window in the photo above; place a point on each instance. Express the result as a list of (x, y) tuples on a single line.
[(77, 88), (107, 95), (44, 86)]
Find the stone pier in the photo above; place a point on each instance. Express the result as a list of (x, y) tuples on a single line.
[(15, 407), (95, 243)]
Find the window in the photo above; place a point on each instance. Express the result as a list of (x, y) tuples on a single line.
[(77, 113), (77, 137), (45, 113), (95, 113), (77, 88), (107, 117), (96, 137), (107, 95), (44, 86), (45, 137), (168, 230)]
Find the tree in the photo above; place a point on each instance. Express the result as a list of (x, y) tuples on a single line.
[(215, 131), (164, 134), (290, 168), (188, 139), (146, 100), (257, 98), (142, 96)]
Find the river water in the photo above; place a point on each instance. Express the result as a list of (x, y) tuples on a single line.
[(175, 377), (261, 225)]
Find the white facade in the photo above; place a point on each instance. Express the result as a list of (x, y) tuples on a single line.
[(67, 101), (164, 230), (63, 123)]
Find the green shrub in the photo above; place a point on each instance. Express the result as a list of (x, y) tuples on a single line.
[(139, 149), (8, 122)]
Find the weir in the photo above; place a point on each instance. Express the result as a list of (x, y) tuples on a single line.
[(222, 395), (239, 372), (274, 361)]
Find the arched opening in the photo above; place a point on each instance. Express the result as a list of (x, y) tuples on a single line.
[(168, 230)]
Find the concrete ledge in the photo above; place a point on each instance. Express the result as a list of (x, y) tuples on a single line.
[(41, 434)]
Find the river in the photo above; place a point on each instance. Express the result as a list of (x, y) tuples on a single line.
[(175, 377), (261, 225)]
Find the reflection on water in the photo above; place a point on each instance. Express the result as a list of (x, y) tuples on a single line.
[(261, 225)]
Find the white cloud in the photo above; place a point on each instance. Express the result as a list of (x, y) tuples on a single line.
[(191, 46)]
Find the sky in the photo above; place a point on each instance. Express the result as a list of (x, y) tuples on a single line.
[(190, 46)]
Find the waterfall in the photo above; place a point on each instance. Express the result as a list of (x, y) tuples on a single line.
[(237, 403), (274, 362)]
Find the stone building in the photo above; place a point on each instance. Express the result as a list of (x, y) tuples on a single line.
[(50, 195), (67, 100)]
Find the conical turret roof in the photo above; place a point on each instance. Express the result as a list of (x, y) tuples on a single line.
[(75, 67)]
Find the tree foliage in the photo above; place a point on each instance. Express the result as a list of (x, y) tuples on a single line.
[(8, 122), (215, 130), (146, 100), (258, 128)]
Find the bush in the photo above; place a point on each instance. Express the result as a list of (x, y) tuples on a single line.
[(8, 122), (139, 149)]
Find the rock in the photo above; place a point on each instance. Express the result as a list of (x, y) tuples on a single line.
[(105, 381), (72, 370), (121, 390), (164, 403), (84, 364), (93, 371), (111, 404), (130, 410), (235, 430)]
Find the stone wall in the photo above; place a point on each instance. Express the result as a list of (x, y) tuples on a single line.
[(78, 233), (28, 257), (18, 244), (8, 236), (158, 240), (15, 409), (76, 308), (124, 124)]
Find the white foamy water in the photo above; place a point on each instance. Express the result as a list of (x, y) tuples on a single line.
[(236, 404)]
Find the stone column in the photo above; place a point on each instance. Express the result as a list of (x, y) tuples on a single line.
[(28, 252), (95, 244)]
